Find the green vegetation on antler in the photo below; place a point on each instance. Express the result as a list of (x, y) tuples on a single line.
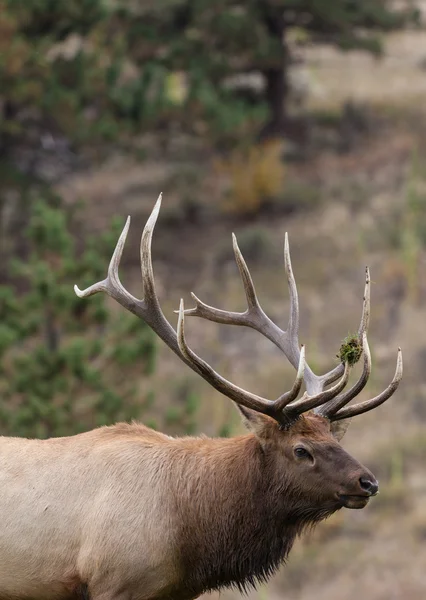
[(350, 350)]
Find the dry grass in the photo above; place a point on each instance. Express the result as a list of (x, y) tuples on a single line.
[(397, 79)]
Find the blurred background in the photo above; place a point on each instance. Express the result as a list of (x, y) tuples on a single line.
[(257, 117)]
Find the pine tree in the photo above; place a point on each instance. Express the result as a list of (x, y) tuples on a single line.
[(66, 365), (81, 71), (211, 41)]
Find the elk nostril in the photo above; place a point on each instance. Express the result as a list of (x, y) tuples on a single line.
[(372, 487)]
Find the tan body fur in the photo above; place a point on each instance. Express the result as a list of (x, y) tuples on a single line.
[(85, 509), (131, 514)]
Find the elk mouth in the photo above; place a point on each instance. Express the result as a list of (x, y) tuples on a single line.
[(354, 501)]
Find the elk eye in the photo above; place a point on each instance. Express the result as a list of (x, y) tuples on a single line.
[(301, 452)]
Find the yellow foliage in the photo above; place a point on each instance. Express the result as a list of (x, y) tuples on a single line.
[(254, 176)]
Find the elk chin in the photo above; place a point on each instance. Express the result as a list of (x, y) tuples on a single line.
[(352, 501)]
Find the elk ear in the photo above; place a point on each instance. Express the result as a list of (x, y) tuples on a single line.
[(255, 422), (339, 428)]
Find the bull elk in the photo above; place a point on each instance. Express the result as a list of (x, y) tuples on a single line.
[(127, 513)]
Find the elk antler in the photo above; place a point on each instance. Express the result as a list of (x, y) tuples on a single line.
[(285, 409)]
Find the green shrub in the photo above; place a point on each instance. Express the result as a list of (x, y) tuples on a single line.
[(66, 363)]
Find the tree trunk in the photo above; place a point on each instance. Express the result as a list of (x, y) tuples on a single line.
[(277, 89), (276, 94), (276, 80)]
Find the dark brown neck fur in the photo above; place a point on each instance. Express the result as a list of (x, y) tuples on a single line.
[(239, 520)]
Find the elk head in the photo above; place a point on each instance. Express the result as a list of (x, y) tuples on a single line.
[(299, 437), (307, 461)]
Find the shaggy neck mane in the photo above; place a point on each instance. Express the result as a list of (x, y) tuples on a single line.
[(239, 519)]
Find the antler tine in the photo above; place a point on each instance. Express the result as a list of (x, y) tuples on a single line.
[(363, 328), (147, 309), (228, 317), (234, 392), (250, 317), (367, 405), (288, 397), (255, 317), (150, 311), (147, 272), (273, 408), (308, 402), (112, 284), (250, 292), (293, 321), (287, 341), (365, 317), (331, 407)]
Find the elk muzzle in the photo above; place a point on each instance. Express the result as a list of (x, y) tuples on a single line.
[(365, 487)]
